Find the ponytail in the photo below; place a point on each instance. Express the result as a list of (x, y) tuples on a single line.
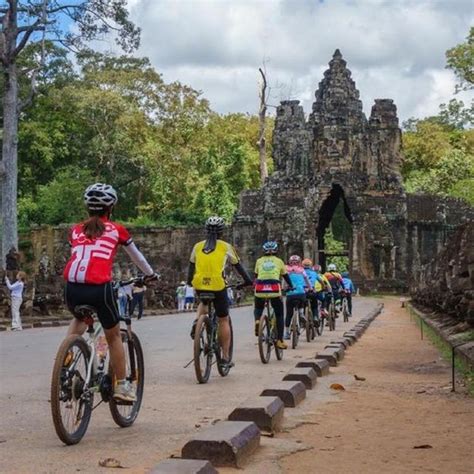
[(93, 227)]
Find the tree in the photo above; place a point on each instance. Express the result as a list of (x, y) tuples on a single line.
[(262, 124), (460, 60), (35, 21)]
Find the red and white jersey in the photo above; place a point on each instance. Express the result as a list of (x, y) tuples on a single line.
[(92, 259)]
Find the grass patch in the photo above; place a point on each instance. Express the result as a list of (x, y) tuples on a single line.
[(446, 351)]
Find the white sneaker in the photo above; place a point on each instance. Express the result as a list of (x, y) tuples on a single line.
[(125, 391)]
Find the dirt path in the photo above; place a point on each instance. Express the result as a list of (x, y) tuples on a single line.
[(404, 402)]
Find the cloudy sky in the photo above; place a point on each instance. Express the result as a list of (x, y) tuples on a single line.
[(395, 48)]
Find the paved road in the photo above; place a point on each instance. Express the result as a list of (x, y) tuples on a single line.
[(173, 402)]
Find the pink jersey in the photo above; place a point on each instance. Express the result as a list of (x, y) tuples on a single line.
[(92, 259)]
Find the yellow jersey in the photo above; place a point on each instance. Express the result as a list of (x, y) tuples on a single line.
[(269, 270), (317, 284), (209, 272)]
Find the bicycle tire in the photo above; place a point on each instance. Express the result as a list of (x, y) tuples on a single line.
[(264, 339), (60, 365), (294, 329), (224, 371), (345, 311), (278, 351), (309, 324), (133, 349), (203, 343), (332, 317)]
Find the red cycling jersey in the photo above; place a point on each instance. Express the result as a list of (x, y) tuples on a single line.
[(92, 259)]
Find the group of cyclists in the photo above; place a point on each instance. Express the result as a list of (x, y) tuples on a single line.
[(88, 275)]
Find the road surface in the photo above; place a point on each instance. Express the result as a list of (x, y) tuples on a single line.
[(174, 405)]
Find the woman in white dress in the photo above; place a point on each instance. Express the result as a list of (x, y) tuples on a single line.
[(16, 291)]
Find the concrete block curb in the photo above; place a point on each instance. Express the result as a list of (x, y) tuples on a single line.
[(265, 412), (184, 466), (338, 350), (307, 375), (290, 393), (321, 366), (329, 355), (352, 334), (344, 342), (227, 443)]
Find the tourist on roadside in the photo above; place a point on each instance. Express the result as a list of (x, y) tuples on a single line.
[(138, 294), (16, 293), (230, 295), (125, 296), (189, 297), (181, 295)]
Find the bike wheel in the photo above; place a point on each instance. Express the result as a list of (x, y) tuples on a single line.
[(124, 414), (70, 406), (264, 339), (309, 324), (203, 349), (332, 317), (294, 329), (223, 371), (345, 311), (278, 351)]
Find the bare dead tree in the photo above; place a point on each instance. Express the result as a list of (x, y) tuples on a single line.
[(262, 115)]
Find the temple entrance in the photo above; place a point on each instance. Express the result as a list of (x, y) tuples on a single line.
[(334, 232)]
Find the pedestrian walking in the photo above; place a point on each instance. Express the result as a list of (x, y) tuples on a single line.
[(16, 292), (181, 295), (138, 294), (189, 297), (124, 298), (230, 296)]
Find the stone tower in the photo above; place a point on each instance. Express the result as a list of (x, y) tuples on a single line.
[(337, 154)]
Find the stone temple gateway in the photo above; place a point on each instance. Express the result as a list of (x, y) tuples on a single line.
[(338, 154)]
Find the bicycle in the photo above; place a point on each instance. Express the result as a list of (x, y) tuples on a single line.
[(297, 325), (332, 314), (80, 371), (312, 324), (206, 342), (267, 335), (345, 307)]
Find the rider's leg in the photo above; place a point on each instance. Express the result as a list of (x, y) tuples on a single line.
[(76, 328), (117, 354), (290, 302), (257, 311), (277, 305), (224, 336)]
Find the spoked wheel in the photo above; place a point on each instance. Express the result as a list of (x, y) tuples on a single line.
[(123, 413), (345, 311), (71, 406), (294, 330), (223, 371), (278, 351), (203, 349), (332, 317), (264, 339), (309, 324), (322, 323)]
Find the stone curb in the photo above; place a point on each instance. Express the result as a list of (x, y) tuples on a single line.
[(321, 366), (307, 375), (290, 393), (345, 342), (265, 412), (352, 334), (227, 443), (328, 355), (184, 466), (338, 350)]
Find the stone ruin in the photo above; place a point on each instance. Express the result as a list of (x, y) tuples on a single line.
[(338, 154)]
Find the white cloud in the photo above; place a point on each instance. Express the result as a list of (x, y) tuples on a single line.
[(395, 48)]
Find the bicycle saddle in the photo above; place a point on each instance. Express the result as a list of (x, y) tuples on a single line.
[(84, 311), (206, 296)]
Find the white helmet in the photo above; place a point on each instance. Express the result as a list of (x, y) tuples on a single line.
[(99, 196), (215, 224), (332, 267)]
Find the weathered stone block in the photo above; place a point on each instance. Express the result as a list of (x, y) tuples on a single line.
[(307, 375), (344, 342), (290, 393), (329, 355), (265, 412), (351, 334), (184, 466), (320, 366), (227, 443), (338, 350)]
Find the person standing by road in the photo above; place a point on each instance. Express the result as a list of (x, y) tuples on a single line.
[(138, 293), (181, 295), (16, 293), (189, 297)]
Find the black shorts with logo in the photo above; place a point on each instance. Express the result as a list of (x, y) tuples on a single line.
[(220, 301), (101, 297)]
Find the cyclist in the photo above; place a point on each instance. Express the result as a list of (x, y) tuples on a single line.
[(296, 295), (206, 274), (335, 280), (349, 289), (311, 295), (88, 275), (269, 270)]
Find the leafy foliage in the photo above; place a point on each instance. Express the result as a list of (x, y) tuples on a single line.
[(460, 59)]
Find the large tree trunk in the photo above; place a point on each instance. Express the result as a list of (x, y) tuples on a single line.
[(262, 149), (9, 162)]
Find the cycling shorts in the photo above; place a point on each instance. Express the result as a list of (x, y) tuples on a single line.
[(101, 297), (220, 302)]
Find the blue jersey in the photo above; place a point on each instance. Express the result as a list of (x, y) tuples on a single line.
[(299, 282), (313, 276), (348, 285)]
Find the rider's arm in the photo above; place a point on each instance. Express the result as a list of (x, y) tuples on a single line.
[(243, 273), (286, 277), (138, 259), (191, 270)]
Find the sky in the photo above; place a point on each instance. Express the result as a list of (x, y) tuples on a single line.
[(394, 48)]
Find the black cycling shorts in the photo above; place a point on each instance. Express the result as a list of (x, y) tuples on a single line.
[(101, 297), (220, 302)]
